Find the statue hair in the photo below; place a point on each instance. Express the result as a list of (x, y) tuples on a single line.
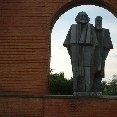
[(77, 19)]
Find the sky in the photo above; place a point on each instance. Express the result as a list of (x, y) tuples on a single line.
[(60, 60)]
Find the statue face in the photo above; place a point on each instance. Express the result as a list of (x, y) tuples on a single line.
[(98, 22), (82, 17)]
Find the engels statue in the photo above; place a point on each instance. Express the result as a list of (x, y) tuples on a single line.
[(102, 50), (82, 43)]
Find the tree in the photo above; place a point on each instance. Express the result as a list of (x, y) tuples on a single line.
[(103, 87), (59, 85), (111, 87)]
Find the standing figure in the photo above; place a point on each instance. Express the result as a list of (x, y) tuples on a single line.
[(102, 50), (81, 43)]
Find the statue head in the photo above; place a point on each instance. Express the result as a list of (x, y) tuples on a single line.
[(82, 17), (98, 22)]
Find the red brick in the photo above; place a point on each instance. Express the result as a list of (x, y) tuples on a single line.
[(25, 31)]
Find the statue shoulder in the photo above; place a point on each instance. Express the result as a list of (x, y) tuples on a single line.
[(73, 25), (106, 33), (91, 25), (107, 39), (105, 30)]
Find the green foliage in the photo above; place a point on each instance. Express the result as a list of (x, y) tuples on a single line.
[(111, 87), (59, 85)]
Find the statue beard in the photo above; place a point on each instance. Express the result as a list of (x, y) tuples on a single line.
[(83, 21), (99, 27)]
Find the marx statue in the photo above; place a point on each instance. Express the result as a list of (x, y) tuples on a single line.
[(83, 45), (81, 42)]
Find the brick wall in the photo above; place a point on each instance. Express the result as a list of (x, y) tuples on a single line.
[(80, 107), (24, 51), (25, 31), (21, 107), (57, 107)]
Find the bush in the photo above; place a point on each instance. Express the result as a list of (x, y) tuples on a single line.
[(59, 85)]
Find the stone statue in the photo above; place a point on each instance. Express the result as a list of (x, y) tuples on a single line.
[(101, 53), (81, 44)]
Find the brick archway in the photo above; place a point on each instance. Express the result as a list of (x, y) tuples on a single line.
[(67, 7), (25, 31), (110, 6), (25, 41)]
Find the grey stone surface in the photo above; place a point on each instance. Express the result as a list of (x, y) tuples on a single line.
[(101, 53), (105, 97), (88, 47), (87, 94)]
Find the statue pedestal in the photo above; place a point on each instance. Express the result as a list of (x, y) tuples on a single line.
[(90, 94)]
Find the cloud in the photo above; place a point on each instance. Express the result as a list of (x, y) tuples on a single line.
[(60, 60), (111, 64)]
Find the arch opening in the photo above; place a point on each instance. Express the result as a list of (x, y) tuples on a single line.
[(62, 58), (79, 3)]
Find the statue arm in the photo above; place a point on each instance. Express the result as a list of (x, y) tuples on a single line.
[(95, 41), (107, 40), (67, 40), (107, 46)]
